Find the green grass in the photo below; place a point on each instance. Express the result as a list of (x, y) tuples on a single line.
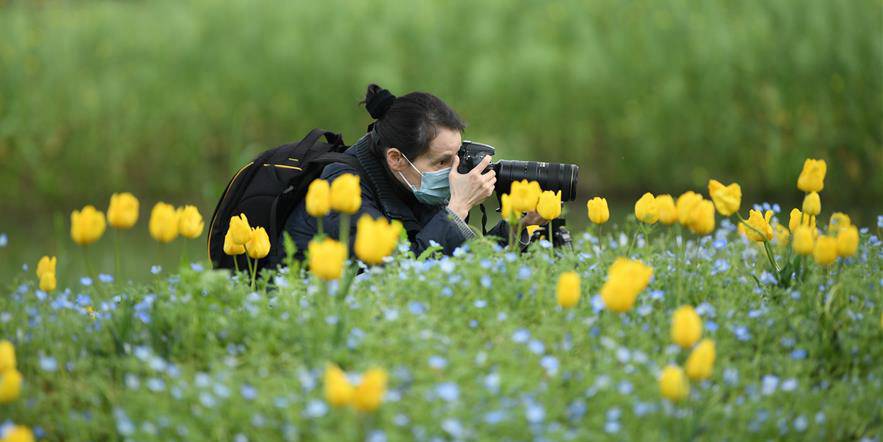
[(475, 345), (167, 98)]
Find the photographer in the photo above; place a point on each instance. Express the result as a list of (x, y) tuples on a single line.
[(408, 163)]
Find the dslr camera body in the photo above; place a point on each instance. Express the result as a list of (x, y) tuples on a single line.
[(551, 176)]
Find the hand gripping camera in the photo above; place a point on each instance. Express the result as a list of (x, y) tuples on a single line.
[(551, 176)]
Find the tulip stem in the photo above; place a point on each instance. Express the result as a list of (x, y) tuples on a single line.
[(236, 263), (254, 272), (319, 230), (551, 238), (343, 233), (116, 253)]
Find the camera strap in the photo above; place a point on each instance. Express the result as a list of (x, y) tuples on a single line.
[(483, 219)]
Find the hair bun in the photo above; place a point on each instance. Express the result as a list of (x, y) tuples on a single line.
[(379, 102)]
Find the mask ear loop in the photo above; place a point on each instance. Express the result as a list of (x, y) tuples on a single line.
[(413, 188)]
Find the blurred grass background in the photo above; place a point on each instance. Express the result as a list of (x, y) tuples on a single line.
[(167, 98)]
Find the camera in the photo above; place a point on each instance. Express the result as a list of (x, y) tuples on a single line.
[(551, 176)]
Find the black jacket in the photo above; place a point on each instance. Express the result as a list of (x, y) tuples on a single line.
[(383, 195)]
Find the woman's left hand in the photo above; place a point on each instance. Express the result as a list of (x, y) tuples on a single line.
[(533, 219)]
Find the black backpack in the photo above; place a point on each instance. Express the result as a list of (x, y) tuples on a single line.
[(267, 189)]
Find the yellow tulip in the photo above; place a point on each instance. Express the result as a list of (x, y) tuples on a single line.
[(686, 326), (673, 383), (7, 356), (812, 177), (685, 205), (795, 219), (506, 211), (549, 204), (46, 265), (190, 222), (781, 235), (327, 257), (626, 278), (163, 223), (524, 195), (701, 361), (568, 289), (87, 225), (10, 386), (838, 221), (371, 390), (122, 213), (318, 200), (346, 194), (338, 390), (646, 209), (812, 204), (668, 212), (701, 219), (258, 246), (18, 433), (825, 250), (847, 241), (759, 228), (803, 242), (230, 247), (375, 239), (47, 282), (727, 199), (239, 230), (598, 211)]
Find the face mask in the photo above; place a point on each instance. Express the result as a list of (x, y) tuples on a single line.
[(434, 188)]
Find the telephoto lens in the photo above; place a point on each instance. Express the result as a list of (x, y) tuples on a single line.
[(551, 176)]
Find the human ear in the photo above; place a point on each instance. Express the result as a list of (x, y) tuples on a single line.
[(395, 159)]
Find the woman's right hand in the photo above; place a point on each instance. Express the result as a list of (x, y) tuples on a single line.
[(471, 188)]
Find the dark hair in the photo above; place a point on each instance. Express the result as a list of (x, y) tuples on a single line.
[(410, 122)]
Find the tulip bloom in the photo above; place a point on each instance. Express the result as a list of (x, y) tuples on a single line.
[(318, 200), (673, 383), (646, 209), (10, 386), (18, 433), (701, 361), (190, 222), (506, 211), (803, 242), (781, 235), (163, 223), (626, 278), (686, 202), (847, 241), (370, 392), (825, 250), (7, 356), (338, 390), (568, 289), (838, 220), (122, 213), (524, 195), (795, 219), (375, 239), (327, 257), (686, 326), (549, 204), (47, 282), (87, 225), (230, 247), (727, 199), (812, 204), (46, 265), (346, 194), (258, 246), (668, 212), (598, 211), (812, 177), (760, 229), (701, 218), (239, 230)]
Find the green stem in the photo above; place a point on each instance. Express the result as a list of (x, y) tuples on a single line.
[(319, 229), (236, 263), (344, 232), (254, 272), (551, 238), (116, 254)]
